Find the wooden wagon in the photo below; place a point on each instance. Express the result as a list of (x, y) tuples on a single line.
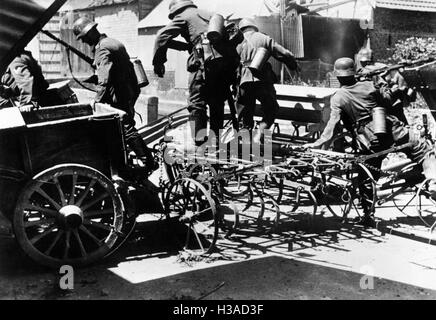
[(56, 179)]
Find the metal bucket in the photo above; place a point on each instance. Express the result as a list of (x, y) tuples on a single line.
[(216, 30), (259, 60), (140, 73), (379, 120)]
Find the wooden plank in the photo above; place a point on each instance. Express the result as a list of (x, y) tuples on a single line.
[(293, 114), (314, 93), (57, 113)]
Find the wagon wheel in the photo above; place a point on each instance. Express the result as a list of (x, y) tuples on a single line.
[(197, 211), (68, 214), (425, 205)]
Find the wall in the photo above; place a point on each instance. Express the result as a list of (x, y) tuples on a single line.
[(120, 22), (393, 25)]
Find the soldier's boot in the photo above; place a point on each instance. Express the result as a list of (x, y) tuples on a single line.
[(143, 153), (198, 123)]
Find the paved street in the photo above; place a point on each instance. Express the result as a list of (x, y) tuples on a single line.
[(252, 264)]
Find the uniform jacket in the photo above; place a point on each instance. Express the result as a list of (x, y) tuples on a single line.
[(24, 79), (247, 51), (117, 82), (352, 103), (189, 24)]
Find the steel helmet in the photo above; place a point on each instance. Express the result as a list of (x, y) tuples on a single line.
[(82, 26), (247, 22), (365, 55), (176, 5), (344, 67)]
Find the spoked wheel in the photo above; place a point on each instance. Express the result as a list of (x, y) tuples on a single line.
[(197, 211), (69, 214), (425, 205)]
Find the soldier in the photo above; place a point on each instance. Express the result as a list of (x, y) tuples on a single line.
[(117, 82), (209, 78), (353, 103), (259, 83), (23, 82), (393, 80)]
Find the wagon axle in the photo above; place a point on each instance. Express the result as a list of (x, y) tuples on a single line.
[(71, 217)]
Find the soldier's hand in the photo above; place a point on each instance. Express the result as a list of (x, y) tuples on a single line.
[(159, 70), (294, 66)]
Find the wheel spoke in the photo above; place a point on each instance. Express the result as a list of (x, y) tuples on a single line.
[(85, 193), (97, 213), (67, 244), (85, 230), (98, 225), (82, 248), (61, 193), (40, 222), (48, 198), (48, 211), (42, 235), (73, 189), (96, 200), (198, 238), (54, 242)]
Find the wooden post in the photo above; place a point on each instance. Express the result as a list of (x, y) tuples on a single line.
[(282, 36), (152, 109)]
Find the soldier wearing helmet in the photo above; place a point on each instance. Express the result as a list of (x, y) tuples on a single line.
[(257, 82), (353, 104), (209, 79), (392, 80), (117, 84)]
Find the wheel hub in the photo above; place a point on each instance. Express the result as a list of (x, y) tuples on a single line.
[(72, 216)]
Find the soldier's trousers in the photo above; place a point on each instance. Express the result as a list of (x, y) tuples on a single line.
[(133, 139), (249, 92), (207, 88), (420, 152)]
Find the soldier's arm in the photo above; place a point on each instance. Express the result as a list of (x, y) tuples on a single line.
[(164, 40), (282, 54), (329, 130), (24, 80), (104, 64)]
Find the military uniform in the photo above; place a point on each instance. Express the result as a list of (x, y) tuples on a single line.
[(24, 82), (353, 105), (399, 98), (259, 85), (210, 79), (118, 87)]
